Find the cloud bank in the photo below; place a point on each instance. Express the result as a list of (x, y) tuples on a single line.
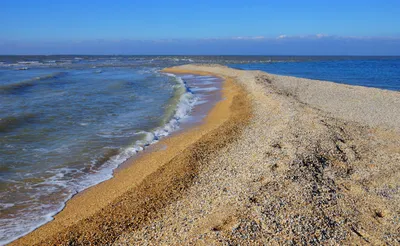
[(319, 44)]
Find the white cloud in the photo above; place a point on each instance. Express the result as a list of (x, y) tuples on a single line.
[(282, 36), (337, 37), (319, 35), (249, 38)]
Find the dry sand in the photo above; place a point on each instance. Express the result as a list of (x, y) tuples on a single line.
[(281, 161)]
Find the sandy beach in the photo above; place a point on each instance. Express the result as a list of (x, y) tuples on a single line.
[(279, 161)]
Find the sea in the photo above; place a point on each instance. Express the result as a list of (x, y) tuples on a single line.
[(67, 122)]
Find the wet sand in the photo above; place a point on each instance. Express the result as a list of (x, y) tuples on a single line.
[(125, 202), (280, 161)]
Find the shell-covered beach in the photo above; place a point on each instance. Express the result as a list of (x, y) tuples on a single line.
[(280, 160)]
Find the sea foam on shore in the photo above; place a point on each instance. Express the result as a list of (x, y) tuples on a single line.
[(280, 160), (179, 108)]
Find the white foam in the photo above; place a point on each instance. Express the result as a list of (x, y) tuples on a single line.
[(208, 89), (208, 78), (20, 228), (6, 205), (28, 62), (199, 102), (183, 109), (188, 76), (205, 82)]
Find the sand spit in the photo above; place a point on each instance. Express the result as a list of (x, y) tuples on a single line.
[(292, 162), (319, 163)]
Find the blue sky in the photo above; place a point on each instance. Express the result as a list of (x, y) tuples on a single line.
[(339, 27)]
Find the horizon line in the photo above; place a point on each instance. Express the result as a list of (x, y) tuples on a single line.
[(61, 54)]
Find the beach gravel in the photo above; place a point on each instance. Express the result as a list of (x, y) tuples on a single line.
[(318, 164), (299, 162)]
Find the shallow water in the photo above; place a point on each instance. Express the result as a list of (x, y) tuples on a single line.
[(65, 128)]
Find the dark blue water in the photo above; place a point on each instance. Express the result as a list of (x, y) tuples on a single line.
[(383, 73)]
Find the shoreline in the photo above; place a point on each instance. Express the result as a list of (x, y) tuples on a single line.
[(138, 172), (317, 164), (186, 121), (195, 119), (282, 160)]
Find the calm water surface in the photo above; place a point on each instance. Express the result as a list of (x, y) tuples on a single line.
[(383, 73)]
